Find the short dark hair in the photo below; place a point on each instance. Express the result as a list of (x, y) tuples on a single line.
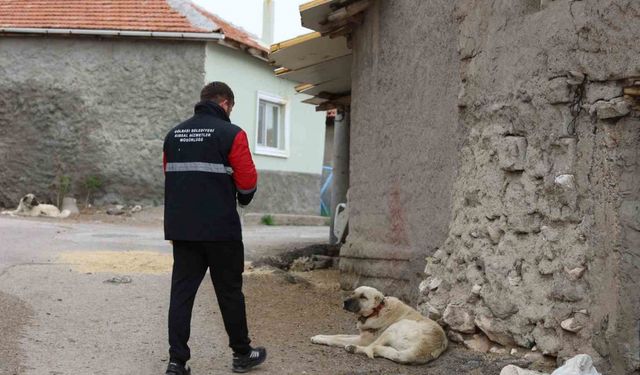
[(217, 92)]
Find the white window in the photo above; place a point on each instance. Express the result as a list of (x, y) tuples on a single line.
[(272, 135)]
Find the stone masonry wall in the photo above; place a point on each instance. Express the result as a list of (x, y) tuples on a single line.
[(84, 107), (287, 193), (543, 249)]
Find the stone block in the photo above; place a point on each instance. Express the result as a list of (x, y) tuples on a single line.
[(597, 91), (459, 319), (495, 233), (549, 234), (524, 223), (495, 330), (610, 109), (565, 290), (558, 91), (512, 153), (547, 340), (478, 342), (575, 323), (574, 273)]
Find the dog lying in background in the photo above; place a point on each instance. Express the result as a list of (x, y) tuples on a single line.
[(29, 206), (388, 328)]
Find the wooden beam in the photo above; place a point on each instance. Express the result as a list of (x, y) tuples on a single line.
[(633, 91), (333, 27), (295, 41), (337, 103), (312, 4), (348, 11), (343, 31), (304, 86)]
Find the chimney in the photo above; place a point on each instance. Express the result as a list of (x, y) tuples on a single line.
[(267, 21)]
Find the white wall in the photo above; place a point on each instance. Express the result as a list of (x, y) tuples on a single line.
[(247, 75)]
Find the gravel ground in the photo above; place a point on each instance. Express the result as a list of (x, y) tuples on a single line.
[(82, 325), (15, 315)]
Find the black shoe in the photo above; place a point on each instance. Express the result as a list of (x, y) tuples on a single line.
[(177, 369), (245, 362)]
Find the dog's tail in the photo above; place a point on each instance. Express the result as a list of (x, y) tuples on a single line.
[(64, 214)]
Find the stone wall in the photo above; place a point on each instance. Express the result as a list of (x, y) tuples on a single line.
[(404, 133), (543, 248), (287, 193), (83, 107), (492, 140)]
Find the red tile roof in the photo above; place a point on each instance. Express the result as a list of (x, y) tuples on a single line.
[(233, 32), (130, 15), (138, 15)]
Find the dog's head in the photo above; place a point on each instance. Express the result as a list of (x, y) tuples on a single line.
[(29, 201), (363, 300)]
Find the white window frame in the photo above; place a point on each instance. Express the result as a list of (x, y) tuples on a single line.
[(272, 151)]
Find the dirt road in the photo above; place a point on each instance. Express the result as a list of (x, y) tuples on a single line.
[(59, 316)]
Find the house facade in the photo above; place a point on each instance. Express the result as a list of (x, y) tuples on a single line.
[(93, 96), (493, 164)]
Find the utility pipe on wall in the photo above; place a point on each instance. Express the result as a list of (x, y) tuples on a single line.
[(340, 165)]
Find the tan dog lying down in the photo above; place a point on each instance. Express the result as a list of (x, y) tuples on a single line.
[(388, 328), (29, 206)]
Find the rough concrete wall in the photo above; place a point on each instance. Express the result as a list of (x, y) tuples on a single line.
[(544, 245), (403, 136), (84, 107), (287, 193)]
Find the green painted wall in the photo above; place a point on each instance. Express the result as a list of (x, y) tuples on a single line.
[(247, 75)]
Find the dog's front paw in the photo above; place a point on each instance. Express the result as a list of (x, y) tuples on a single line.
[(317, 339), (369, 353), (350, 348)]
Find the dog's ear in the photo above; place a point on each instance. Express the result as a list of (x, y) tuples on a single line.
[(378, 297), (34, 202)]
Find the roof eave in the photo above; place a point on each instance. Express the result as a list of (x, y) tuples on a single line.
[(115, 33)]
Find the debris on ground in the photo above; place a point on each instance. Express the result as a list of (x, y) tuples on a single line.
[(116, 210), (70, 204), (581, 364), (120, 209), (285, 261), (313, 262), (119, 280)]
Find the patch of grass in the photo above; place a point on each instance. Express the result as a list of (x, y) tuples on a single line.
[(63, 186), (91, 185), (267, 220)]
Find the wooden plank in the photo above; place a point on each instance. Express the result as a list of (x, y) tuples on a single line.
[(348, 11), (326, 16), (325, 71), (304, 53), (313, 4), (294, 41), (314, 14), (335, 87), (314, 100)]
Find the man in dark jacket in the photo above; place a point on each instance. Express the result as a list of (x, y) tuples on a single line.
[(208, 168)]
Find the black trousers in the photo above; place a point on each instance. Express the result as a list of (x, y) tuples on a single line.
[(225, 260)]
